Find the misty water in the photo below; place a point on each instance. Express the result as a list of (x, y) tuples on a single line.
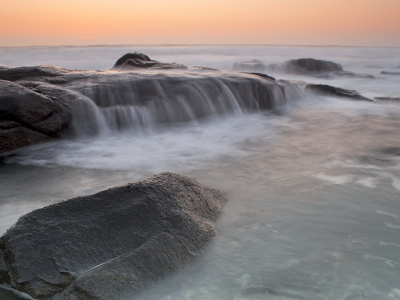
[(313, 186)]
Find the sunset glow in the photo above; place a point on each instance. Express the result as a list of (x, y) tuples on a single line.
[(355, 22)]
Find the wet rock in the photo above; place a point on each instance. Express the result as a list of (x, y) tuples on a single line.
[(18, 137), (387, 98), (390, 73), (305, 66), (29, 116), (113, 243), (328, 90), (262, 75), (136, 60), (3, 269), (332, 75), (17, 73), (250, 66)]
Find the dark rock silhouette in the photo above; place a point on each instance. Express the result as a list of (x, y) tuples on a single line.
[(328, 90), (111, 244), (390, 73), (387, 98), (305, 66), (132, 61)]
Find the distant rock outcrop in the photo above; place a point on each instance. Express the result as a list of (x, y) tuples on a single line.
[(111, 244), (390, 73), (306, 66), (328, 90), (387, 98), (136, 60)]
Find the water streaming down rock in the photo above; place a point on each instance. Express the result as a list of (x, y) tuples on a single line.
[(133, 101)]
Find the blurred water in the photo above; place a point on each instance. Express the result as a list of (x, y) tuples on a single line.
[(313, 187)]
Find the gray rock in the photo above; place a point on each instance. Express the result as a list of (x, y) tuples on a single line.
[(305, 66), (136, 60), (17, 73), (3, 269), (333, 75), (262, 75), (250, 66), (113, 243), (390, 73), (18, 137), (387, 98), (40, 116), (328, 90)]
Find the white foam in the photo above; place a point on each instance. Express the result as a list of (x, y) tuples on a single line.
[(339, 180), (388, 262), (382, 212), (393, 226), (368, 182)]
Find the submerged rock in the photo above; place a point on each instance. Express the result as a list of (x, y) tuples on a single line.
[(132, 61), (28, 117), (250, 66), (113, 243), (328, 90), (390, 73), (387, 98)]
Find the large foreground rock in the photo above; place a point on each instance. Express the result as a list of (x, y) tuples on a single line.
[(328, 90), (3, 269), (113, 243)]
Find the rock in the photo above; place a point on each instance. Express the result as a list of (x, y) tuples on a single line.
[(18, 137), (3, 269), (41, 117), (113, 243), (328, 90), (250, 66), (262, 75), (305, 66), (132, 61), (17, 73), (390, 73), (387, 98), (332, 75)]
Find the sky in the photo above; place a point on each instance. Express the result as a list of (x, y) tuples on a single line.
[(284, 22)]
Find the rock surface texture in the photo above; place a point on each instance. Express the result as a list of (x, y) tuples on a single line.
[(328, 90), (3, 269), (131, 61), (111, 244), (28, 117), (304, 66), (45, 102)]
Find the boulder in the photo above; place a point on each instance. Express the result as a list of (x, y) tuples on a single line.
[(328, 90), (111, 244), (305, 66), (28, 116), (333, 75), (136, 60), (250, 66)]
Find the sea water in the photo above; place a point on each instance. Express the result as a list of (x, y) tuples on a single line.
[(313, 186)]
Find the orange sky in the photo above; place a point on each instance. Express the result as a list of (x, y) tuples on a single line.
[(306, 22)]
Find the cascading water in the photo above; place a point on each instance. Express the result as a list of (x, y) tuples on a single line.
[(132, 101)]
